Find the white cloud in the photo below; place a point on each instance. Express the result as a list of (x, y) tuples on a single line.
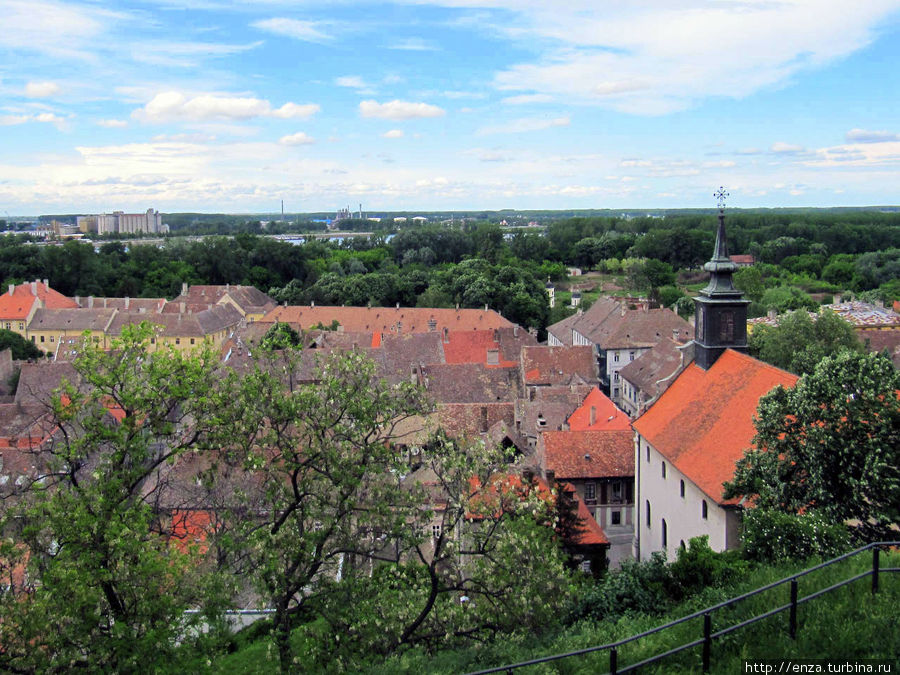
[(528, 98), (526, 124), (300, 138), (47, 118), (173, 105), (782, 148), (41, 89), (112, 124), (865, 136), (667, 54), (293, 28), (399, 110), (55, 28), (393, 133), (354, 82), (183, 54), (412, 45)]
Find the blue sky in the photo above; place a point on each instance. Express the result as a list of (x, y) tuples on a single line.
[(220, 105)]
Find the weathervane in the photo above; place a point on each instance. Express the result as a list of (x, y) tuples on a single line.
[(721, 196)]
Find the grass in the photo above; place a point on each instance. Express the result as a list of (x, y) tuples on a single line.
[(849, 623)]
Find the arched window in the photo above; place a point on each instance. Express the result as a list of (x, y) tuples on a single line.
[(663, 469), (647, 504), (704, 510), (682, 489), (665, 533)]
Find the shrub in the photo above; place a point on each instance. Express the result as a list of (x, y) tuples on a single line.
[(772, 536), (699, 567)]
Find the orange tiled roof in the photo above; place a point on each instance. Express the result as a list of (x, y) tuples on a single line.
[(18, 300), (388, 319), (591, 533), (704, 421), (472, 347), (606, 415), (589, 454)]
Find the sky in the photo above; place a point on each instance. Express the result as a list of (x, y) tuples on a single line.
[(235, 105)]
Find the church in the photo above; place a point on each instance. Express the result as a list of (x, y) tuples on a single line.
[(687, 442)]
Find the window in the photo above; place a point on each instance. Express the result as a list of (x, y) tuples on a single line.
[(177, 341), (51, 338), (616, 376), (590, 492), (192, 340), (631, 356), (21, 326), (617, 491), (436, 531), (682, 546), (8, 325), (616, 392), (726, 326), (42, 338), (648, 454), (616, 357), (647, 504), (663, 469), (616, 518), (704, 510), (665, 533), (153, 341), (682, 489)]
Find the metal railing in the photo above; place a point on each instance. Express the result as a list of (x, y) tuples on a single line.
[(708, 635)]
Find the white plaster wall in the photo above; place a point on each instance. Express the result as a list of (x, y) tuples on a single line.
[(682, 514)]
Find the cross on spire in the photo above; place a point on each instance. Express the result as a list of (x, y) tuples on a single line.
[(721, 195)]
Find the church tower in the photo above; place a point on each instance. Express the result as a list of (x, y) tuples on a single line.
[(721, 310)]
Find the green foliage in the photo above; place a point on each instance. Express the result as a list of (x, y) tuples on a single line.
[(832, 444), (798, 342), (771, 536), (749, 280), (698, 567), (280, 336), (21, 348), (786, 298), (106, 585)]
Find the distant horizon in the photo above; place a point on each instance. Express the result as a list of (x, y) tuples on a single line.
[(376, 212)]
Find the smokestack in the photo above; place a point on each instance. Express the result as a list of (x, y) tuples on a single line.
[(184, 288), (46, 285), (34, 287), (90, 302), (127, 302), (12, 289)]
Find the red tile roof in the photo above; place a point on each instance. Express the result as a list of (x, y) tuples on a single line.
[(16, 305), (589, 454), (703, 422), (388, 319), (472, 347), (591, 534), (606, 415)]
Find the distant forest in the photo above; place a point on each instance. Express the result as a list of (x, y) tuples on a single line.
[(478, 263)]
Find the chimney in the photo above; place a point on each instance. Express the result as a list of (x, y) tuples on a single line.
[(398, 305), (593, 415), (624, 310), (46, 285), (457, 306), (12, 289), (485, 307), (675, 334), (312, 303), (184, 288), (516, 330), (90, 302), (127, 302), (34, 287)]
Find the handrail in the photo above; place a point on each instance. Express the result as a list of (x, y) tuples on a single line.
[(875, 547)]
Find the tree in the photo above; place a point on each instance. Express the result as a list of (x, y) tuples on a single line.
[(104, 587), (798, 342), (322, 456), (831, 444), (21, 348)]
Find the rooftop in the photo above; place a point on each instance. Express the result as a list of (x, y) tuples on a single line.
[(589, 454)]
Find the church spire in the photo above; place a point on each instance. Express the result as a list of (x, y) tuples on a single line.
[(721, 310)]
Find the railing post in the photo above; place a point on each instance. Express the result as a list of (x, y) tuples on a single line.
[(792, 626), (707, 640), (613, 661), (876, 566)]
